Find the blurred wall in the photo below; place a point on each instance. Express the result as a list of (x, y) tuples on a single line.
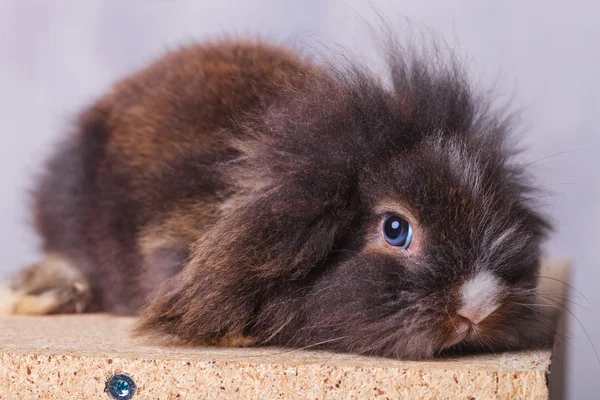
[(56, 56)]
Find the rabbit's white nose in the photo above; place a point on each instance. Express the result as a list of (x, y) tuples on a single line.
[(475, 316), (480, 297)]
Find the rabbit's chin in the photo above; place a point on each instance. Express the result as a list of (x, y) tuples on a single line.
[(463, 333)]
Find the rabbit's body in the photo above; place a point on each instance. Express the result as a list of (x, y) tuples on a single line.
[(236, 192), (136, 185)]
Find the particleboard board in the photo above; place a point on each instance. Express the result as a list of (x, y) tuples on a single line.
[(72, 357)]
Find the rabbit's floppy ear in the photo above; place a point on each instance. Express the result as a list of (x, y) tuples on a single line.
[(278, 227)]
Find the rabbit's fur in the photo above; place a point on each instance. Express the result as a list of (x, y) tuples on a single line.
[(233, 193)]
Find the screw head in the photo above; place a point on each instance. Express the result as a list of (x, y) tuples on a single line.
[(121, 387)]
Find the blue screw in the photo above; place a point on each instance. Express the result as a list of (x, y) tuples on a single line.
[(121, 387)]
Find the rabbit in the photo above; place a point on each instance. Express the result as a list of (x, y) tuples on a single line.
[(238, 192)]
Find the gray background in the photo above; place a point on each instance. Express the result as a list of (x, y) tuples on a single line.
[(56, 56)]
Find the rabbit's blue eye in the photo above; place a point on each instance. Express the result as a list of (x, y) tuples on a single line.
[(397, 231)]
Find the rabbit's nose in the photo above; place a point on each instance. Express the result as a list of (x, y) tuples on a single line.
[(479, 297), (476, 315)]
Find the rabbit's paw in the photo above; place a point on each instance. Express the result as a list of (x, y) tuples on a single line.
[(53, 286)]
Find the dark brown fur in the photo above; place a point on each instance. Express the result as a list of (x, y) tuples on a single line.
[(136, 184), (230, 190)]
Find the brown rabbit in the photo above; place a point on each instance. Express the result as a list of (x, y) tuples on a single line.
[(235, 192)]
